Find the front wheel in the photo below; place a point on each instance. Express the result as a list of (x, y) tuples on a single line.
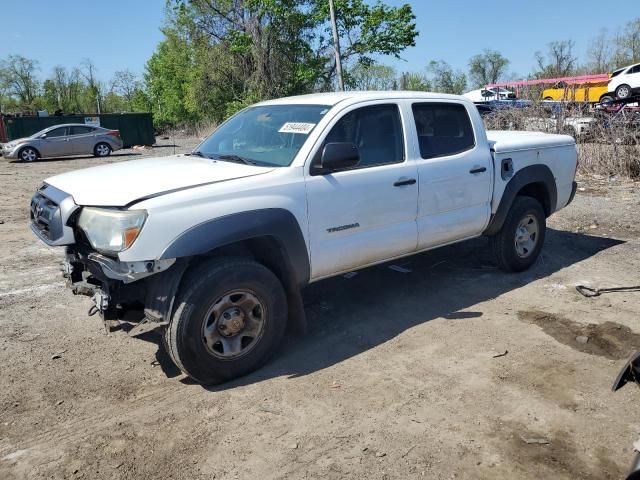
[(518, 243), (102, 150), (28, 154), (230, 317)]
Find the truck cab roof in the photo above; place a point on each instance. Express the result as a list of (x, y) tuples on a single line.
[(333, 98)]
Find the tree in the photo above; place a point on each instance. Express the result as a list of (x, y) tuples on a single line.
[(559, 60), (64, 90), (487, 67), (371, 77), (18, 79), (365, 30), (93, 86), (445, 80), (414, 82), (627, 44), (599, 53), (167, 77), (241, 51), (125, 83)]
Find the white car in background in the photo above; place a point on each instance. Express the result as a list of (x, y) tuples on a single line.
[(488, 94), (625, 82)]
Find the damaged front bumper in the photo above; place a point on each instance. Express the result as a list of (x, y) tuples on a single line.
[(132, 291)]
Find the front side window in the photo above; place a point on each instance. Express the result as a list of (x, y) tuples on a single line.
[(375, 130), (57, 132), (443, 129), (268, 135)]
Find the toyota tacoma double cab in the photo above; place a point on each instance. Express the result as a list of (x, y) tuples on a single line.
[(215, 246)]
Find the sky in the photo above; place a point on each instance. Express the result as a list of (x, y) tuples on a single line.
[(122, 34)]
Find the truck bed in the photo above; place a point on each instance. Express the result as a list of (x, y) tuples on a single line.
[(501, 141)]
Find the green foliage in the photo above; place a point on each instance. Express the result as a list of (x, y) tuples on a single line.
[(415, 82), (233, 53), (444, 79), (18, 80), (371, 77), (71, 91)]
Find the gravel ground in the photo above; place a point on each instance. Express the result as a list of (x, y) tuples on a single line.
[(451, 370)]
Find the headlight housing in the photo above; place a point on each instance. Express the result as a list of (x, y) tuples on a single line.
[(110, 230)]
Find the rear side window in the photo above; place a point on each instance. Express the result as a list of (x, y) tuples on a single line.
[(635, 69), (79, 130), (375, 130), (443, 129)]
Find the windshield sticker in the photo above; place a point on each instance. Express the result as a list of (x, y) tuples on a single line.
[(297, 127)]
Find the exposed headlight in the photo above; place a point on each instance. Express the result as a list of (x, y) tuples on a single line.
[(111, 231)]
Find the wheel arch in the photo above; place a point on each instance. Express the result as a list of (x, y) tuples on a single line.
[(270, 236), (534, 181), (39, 155)]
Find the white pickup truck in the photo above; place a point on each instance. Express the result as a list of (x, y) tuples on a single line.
[(215, 246)]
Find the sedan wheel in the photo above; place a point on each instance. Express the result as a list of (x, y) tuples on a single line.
[(102, 150), (28, 154)]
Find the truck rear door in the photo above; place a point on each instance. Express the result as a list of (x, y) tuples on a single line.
[(455, 172)]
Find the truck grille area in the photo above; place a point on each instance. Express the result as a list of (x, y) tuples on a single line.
[(45, 216), (50, 211)]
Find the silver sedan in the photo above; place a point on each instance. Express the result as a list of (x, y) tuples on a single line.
[(66, 139)]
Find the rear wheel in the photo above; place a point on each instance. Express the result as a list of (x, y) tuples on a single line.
[(518, 243), (623, 91), (230, 317), (28, 154), (606, 99), (102, 150)]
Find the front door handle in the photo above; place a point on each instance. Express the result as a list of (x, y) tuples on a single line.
[(401, 183), (478, 170)]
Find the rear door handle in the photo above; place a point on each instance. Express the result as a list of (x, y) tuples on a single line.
[(478, 170), (402, 183)]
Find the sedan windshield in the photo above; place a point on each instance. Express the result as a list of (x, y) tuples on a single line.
[(269, 135)]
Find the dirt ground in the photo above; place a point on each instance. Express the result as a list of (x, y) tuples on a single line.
[(451, 369)]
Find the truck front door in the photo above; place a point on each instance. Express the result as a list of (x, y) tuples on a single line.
[(365, 214)]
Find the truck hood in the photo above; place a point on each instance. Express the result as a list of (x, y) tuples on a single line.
[(120, 184)]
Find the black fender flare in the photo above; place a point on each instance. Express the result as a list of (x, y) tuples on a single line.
[(278, 223), (526, 176)]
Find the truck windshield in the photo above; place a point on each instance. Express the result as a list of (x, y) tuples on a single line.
[(268, 135)]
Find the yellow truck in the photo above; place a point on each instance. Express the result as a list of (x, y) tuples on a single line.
[(591, 92)]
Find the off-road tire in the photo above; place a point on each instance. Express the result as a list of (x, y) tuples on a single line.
[(503, 245), (102, 149), (202, 285)]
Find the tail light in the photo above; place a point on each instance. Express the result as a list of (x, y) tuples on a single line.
[(114, 133)]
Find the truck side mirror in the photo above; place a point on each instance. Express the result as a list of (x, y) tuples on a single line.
[(338, 156)]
